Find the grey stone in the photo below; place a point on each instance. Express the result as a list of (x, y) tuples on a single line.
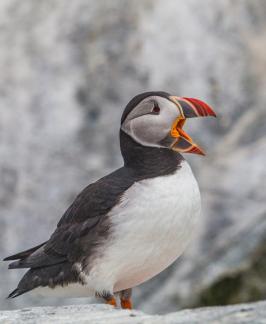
[(100, 314)]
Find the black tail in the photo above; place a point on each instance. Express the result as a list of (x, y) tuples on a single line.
[(26, 284), (55, 275), (14, 293), (15, 265), (23, 254)]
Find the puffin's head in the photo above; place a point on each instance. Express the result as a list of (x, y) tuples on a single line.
[(156, 119)]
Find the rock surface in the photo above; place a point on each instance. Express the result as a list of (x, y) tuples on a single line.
[(101, 314), (67, 71)]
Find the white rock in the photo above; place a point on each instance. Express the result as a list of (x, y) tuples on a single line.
[(102, 314)]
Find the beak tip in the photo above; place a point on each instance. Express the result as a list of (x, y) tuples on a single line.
[(196, 150), (202, 153), (210, 112)]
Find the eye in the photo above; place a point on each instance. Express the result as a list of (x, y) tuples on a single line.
[(156, 109)]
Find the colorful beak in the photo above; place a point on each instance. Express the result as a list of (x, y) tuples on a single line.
[(188, 108)]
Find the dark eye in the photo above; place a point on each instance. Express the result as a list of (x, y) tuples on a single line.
[(156, 109)]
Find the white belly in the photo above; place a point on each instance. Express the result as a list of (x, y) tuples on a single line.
[(150, 229)]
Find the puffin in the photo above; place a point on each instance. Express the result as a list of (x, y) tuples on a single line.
[(130, 225)]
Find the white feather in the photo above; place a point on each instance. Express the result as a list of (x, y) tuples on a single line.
[(151, 228), (73, 290)]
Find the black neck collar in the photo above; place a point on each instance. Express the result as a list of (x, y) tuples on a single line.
[(148, 161)]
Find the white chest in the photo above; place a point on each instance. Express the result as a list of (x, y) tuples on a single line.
[(151, 228)]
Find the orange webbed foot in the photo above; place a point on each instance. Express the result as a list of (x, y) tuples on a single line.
[(126, 303)]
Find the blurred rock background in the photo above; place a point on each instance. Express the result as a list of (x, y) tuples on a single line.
[(68, 68)]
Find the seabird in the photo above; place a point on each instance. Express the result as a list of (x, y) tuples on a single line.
[(130, 225)]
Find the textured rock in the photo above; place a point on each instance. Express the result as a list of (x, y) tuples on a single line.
[(100, 314), (67, 71)]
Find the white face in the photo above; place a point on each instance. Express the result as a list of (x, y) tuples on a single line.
[(150, 122)]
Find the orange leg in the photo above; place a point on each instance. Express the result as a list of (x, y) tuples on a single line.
[(111, 301), (125, 298)]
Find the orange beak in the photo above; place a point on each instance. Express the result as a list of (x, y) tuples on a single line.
[(188, 108)]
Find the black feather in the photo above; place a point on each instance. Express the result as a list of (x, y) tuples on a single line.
[(23, 254), (14, 265), (14, 293)]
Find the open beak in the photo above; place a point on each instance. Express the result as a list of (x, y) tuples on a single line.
[(188, 108)]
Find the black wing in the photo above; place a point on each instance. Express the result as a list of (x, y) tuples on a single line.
[(82, 226)]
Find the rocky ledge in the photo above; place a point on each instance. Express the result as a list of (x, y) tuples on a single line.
[(101, 314)]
